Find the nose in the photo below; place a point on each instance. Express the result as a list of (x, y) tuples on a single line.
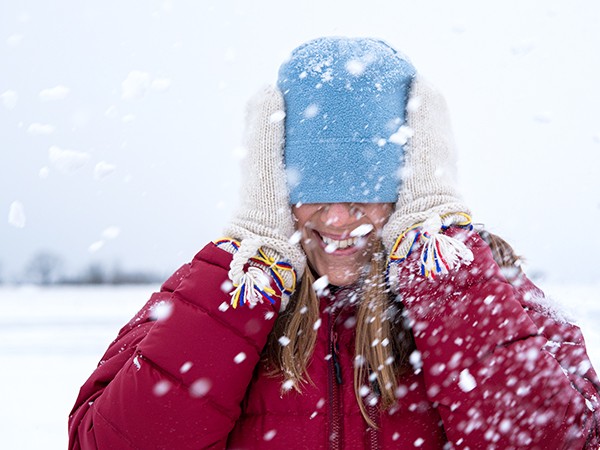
[(338, 214)]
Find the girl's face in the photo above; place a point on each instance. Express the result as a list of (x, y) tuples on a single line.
[(339, 238)]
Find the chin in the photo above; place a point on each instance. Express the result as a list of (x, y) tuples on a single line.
[(341, 280)]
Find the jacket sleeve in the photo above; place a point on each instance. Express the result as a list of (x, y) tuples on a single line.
[(177, 373), (500, 374)]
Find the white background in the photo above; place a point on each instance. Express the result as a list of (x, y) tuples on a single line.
[(51, 340), (520, 78)]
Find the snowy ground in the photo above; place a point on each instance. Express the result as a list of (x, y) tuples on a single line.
[(51, 340)]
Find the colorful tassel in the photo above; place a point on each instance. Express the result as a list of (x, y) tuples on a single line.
[(276, 269), (253, 285), (253, 288), (440, 253)]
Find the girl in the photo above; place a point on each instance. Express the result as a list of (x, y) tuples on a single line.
[(351, 305)]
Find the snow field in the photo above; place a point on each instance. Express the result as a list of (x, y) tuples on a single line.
[(51, 339)]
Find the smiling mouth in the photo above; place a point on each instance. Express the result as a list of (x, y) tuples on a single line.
[(340, 243), (341, 246)]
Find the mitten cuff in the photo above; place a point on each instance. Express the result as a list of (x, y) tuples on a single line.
[(410, 216), (257, 273), (440, 253)]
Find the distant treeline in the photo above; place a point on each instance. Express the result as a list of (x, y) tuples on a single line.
[(47, 268)]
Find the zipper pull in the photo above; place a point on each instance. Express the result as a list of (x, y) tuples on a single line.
[(336, 361)]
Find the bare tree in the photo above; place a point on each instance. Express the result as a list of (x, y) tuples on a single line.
[(94, 274), (44, 268)]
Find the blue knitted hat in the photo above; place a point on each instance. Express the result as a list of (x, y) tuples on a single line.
[(345, 100)]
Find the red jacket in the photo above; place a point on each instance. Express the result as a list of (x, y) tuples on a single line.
[(496, 370)]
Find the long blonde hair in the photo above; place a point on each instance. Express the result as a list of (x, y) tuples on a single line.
[(383, 342), (502, 252)]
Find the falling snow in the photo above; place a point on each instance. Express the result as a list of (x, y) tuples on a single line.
[(239, 358), (185, 367), (269, 435), (277, 116), (415, 360), (321, 284), (67, 161), (135, 85), (295, 238), (311, 111), (224, 306), (44, 173), (200, 387), (162, 310), (362, 230), (227, 286), (40, 128), (16, 214), (355, 67), (111, 232), (9, 99), (160, 84), (114, 308), (14, 39), (466, 381), (317, 324), (59, 92), (103, 169), (401, 136), (161, 388), (95, 246)]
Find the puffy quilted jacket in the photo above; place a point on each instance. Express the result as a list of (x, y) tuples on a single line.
[(493, 369)]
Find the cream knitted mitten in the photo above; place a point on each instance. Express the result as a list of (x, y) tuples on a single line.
[(264, 218), (428, 194)]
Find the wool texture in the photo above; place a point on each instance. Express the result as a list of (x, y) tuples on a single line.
[(345, 101), (428, 179), (264, 215)]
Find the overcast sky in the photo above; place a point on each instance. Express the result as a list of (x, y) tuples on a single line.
[(120, 120)]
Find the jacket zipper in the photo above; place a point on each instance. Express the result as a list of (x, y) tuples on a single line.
[(373, 433), (335, 380)]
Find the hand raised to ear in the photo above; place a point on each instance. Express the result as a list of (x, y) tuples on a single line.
[(428, 197), (264, 218)]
